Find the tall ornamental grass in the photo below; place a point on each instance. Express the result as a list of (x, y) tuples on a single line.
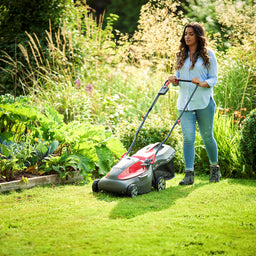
[(156, 40), (237, 77)]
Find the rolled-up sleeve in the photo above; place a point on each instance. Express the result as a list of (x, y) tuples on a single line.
[(212, 77)]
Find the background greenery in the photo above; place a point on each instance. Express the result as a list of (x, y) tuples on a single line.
[(76, 80)]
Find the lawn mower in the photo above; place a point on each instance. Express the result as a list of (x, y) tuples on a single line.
[(150, 167)]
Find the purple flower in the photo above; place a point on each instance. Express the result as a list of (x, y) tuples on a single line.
[(88, 87), (77, 83)]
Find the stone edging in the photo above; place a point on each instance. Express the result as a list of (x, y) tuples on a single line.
[(39, 181)]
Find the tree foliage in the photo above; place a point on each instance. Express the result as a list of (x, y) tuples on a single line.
[(31, 16), (127, 10)]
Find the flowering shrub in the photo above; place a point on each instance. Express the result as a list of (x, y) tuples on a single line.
[(239, 117)]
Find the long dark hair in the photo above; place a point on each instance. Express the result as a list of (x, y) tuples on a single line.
[(200, 51)]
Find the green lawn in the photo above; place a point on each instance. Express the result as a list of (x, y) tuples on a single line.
[(204, 219)]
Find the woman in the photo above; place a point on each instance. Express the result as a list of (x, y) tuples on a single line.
[(196, 63)]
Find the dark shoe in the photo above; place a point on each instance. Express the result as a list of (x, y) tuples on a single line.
[(188, 179), (215, 174)]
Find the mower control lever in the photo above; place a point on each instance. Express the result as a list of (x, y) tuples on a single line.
[(164, 89)]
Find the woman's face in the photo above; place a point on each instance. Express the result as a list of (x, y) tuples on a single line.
[(190, 37)]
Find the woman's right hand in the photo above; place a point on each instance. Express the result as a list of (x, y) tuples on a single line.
[(173, 80)]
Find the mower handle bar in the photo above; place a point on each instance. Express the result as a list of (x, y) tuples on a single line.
[(178, 119), (163, 90)]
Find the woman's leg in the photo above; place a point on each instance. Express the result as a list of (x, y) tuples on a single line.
[(188, 126), (205, 120)]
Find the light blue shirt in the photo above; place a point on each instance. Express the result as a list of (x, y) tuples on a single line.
[(202, 95)]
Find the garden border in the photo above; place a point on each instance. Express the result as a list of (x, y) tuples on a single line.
[(39, 181)]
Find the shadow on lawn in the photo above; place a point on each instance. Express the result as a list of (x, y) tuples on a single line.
[(151, 202)]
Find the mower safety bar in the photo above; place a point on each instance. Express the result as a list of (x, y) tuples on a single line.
[(182, 80), (164, 89)]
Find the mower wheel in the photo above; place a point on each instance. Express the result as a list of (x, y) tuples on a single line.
[(95, 187), (132, 190), (160, 183)]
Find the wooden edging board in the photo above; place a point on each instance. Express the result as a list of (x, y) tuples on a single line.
[(39, 181)]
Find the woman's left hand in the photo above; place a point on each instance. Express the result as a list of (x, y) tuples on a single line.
[(196, 80)]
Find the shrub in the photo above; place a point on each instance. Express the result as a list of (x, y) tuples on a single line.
[(155, 129), (248, 145)]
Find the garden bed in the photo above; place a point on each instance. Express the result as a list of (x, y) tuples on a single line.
[(31, 181)]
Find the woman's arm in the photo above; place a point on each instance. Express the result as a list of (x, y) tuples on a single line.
[(173, 80), (212, 73), (213, 70)]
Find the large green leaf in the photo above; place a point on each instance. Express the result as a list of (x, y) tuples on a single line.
[(5, 150), (116, 147)]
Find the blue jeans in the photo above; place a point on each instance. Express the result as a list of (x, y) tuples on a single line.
[(205, 119)]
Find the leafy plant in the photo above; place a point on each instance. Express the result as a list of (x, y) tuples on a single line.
[(20, 155), (97, 144), (13, 158), (91, 147), (20, 119), (43, 150), (8, 167), (64, 164)]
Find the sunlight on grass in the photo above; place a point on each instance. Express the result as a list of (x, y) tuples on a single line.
[(202, 219)]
